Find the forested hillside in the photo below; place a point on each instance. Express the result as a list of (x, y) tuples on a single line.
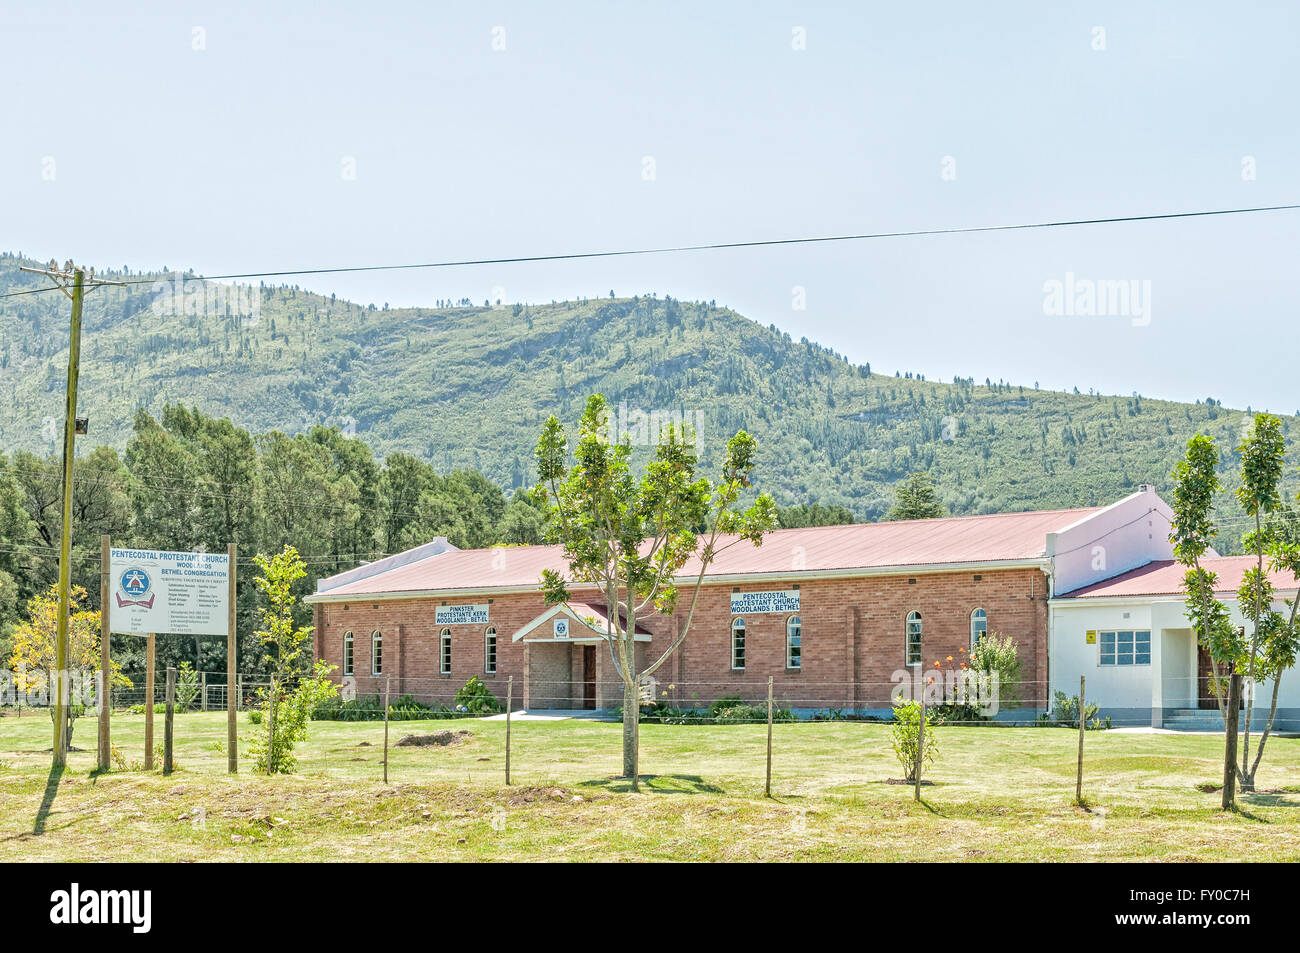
[(465, 386)]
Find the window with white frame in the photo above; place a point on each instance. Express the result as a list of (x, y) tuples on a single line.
[(979, 626), (376, 653), (737, 643), (348, 653), (1125, 647), (490, 651), (444, 652), (913, 638), (793, 642)]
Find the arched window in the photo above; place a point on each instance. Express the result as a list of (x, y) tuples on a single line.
[(444, 652), (738, 644), (793, 642), (348, 652), (490, 651), (979, 626), (914, 638), (376, 653)]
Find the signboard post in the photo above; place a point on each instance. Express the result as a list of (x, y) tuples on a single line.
[(104, 693), (232, 696), (148, 701)]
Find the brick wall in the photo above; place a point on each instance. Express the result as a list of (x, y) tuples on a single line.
[(853, 642)]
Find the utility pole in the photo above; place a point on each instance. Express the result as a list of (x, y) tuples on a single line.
[(75, 276)]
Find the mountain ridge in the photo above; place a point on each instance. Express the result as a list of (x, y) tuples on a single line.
[(462, 385)]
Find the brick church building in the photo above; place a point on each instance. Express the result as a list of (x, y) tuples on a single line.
[(833, 614)]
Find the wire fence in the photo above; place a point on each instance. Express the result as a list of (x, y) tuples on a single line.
[(959, 697)]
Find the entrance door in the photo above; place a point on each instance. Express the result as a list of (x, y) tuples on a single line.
[(589, 676), (1205, 678)]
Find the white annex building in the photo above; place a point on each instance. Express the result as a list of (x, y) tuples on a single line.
[(1128, 632)]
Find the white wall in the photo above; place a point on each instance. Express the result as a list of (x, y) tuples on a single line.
[(1112, 686), (1123, 536)]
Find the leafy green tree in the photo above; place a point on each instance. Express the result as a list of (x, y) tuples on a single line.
[(1272, 645), (404, 480), (523, 522), (1271, 648), (1196, 483), (813, 514), (916, 499), (165, 475), (295, 688), (905, 736), (630, 537)]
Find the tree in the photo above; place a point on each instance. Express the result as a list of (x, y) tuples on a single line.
[(1272, 645), (916, 499), (630, 537), (523, 523), (813, 514), (34, 639), (285, 714)]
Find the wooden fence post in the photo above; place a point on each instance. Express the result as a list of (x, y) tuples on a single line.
[(168, 717), (510, 701), (767, 785), (203, 691), (1230, 743), (104, 694), (386, 681), (1083, 726), (148, 702)]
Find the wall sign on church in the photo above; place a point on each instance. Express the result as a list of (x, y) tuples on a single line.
[(755, 603), (461, 615)]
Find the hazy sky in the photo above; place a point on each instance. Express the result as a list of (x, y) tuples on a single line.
[(329, 134)]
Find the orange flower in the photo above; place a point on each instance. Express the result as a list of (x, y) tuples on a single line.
[(949, 658)]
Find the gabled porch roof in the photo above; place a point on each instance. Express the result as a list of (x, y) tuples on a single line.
[(588, 623)]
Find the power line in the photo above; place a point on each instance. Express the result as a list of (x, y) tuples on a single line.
[(717, 246)]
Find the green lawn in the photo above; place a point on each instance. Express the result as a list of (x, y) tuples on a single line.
[(998, 794)]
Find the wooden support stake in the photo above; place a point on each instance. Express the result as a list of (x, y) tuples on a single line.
[(232, 689), (272, 704), (104, 693), (510, 700), (168, 718), (386, 686), (920, 745), (767, 785), (148, 702), (1230, 743), (1083, 726)]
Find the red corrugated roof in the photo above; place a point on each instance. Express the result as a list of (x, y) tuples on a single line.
[(968, 539), (1164, 577)]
